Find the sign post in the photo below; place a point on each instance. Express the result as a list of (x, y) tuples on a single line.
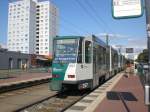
[(129, 50), (123, 9), (147, 86)]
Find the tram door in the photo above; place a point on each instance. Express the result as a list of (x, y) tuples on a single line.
[(87, 66), (84, 67)]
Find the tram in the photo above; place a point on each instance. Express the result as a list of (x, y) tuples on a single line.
[(81, 62)]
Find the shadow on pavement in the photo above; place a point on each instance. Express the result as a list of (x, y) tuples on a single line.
[(127, 96), (122, 96)]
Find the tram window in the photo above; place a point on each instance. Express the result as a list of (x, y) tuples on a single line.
[(88, 52)]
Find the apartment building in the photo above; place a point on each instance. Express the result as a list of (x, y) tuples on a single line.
[(46, 26), (32, 24)]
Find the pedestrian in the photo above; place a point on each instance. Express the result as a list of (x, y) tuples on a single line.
[(22, 67), (25, 66), (128, 70)]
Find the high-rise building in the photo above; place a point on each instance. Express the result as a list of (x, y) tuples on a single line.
[(46, 26), (32, 24), (22, 26)]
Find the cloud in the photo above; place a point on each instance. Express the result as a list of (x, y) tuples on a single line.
[(139, 43), (113, 36), (126, 41)]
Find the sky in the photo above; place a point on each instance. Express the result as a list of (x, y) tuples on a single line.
[(86, 17)]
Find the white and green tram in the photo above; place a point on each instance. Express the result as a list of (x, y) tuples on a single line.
[(81, 62)]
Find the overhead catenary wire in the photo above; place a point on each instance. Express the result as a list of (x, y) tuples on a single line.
[(74, 26), (89, 4), (72, 31), (95, 16), (90, 14)]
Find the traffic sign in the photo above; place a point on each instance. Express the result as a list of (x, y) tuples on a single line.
[(129, 50), (127, 8)]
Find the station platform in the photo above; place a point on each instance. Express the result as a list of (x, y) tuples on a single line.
[(23, 80), (119, 94)]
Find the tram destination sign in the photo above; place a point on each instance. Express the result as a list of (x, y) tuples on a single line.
[(122, 9), (129, 50)]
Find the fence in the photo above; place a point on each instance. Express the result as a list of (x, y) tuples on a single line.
[(15, 72)]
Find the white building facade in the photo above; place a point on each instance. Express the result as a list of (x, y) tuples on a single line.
[(32, 25), (47, 27)]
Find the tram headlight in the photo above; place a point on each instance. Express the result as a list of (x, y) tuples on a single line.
[(71, 76)]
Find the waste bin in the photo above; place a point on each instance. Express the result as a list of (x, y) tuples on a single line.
[(147, 94)]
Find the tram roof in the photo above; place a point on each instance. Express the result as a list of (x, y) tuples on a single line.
[(68, 37), (98, 40)]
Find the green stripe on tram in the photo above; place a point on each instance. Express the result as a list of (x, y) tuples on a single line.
[(59, 70)]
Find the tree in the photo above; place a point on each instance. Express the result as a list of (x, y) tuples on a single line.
[(143, 57)]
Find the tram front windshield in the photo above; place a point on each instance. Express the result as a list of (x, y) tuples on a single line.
[(65, 50)]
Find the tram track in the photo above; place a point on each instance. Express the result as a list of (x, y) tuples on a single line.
[(40, 99), (20, 91), (58, 103), (22, 85), (26, 97)]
